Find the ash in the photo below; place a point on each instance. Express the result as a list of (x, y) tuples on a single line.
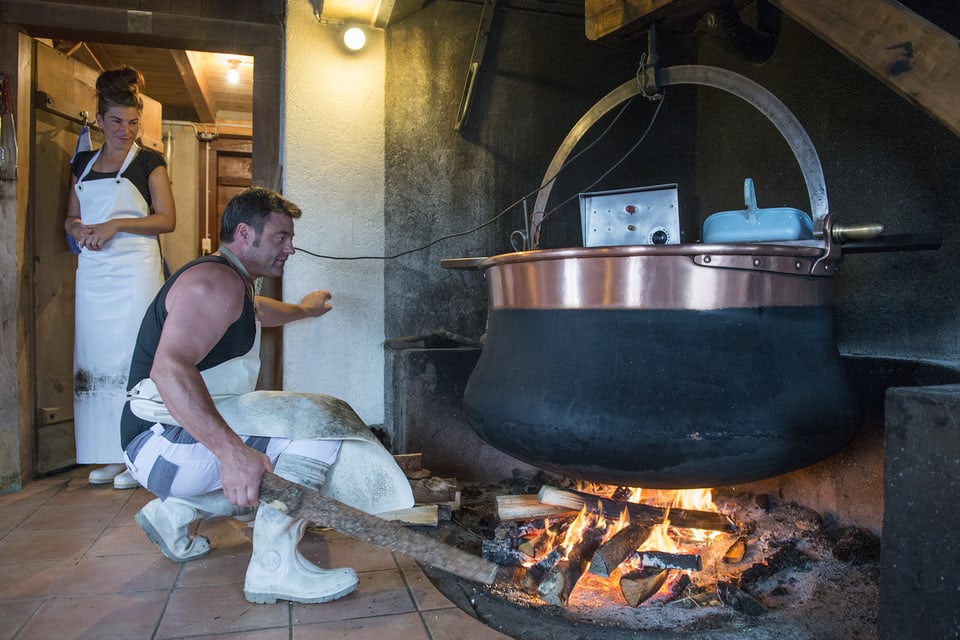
[(803, 576)]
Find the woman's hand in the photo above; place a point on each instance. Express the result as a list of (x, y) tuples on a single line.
[(96, 236)]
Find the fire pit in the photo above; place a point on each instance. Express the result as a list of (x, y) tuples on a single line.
[(766, 569)]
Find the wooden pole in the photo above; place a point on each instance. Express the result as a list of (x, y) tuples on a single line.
[(299, 502)]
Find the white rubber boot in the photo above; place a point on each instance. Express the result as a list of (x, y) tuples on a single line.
[(166, 523), (277, 571)]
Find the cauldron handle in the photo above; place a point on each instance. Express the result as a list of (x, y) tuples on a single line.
[(734, 83)]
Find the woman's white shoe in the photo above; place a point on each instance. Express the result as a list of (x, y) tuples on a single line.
[(105, 475)]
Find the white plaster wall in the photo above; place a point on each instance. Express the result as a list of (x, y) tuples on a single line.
[(180, 247), (333, 157)]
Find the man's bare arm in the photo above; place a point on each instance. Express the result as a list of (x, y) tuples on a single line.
[(273, 313), (201, 305)]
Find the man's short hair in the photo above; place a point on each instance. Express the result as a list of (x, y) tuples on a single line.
[(252, 207)]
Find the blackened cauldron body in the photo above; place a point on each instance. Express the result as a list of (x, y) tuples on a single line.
[(645, 366)]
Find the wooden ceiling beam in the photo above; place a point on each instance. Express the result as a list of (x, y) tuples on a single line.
[(912, 56), (196, 85), (150, 28)]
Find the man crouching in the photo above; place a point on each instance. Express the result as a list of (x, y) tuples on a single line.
[(197, 435)]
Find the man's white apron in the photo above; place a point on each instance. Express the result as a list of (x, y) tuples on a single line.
[(114, 286), (365, 475)]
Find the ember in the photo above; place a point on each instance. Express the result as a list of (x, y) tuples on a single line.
[(636, 560)]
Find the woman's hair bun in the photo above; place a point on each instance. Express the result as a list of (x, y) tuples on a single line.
[(119, 87)]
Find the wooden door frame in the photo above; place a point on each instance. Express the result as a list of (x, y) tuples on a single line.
[(41, 19)]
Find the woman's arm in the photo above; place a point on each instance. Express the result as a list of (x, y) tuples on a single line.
[(72, 223), (164, 216)]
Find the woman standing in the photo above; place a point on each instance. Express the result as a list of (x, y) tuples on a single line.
[(120, 199)]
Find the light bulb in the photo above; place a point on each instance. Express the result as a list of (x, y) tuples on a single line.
[(233, 74), (354, 38)]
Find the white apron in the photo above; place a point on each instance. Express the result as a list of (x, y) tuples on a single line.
[(114, 286)]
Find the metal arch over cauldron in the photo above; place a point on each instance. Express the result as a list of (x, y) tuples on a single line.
[(667, 366)]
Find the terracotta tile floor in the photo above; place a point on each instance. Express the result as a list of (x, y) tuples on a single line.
[(73, 564)]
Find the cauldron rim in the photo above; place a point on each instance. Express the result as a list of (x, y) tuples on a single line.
[(800, 249)]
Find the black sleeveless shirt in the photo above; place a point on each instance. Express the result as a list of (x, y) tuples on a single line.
[(237, 341)]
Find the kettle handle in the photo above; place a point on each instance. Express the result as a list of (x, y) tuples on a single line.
[(734, 83)]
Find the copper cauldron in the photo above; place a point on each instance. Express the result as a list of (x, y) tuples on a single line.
[(666, 366)]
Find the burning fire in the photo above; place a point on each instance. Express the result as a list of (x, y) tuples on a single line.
[(566, 548)]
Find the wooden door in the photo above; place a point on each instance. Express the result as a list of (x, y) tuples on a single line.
[(226, 168), (53, 294)]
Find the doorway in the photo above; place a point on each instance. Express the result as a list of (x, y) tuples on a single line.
[(226, 169), (48, 262)]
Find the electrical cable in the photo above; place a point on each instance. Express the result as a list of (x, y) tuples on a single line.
[(522, 198), (616, 164)]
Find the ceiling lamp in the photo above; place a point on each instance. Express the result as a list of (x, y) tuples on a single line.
[(233, 75), (354, 38)]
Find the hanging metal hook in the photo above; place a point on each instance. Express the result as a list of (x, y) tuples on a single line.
[(647, 72)]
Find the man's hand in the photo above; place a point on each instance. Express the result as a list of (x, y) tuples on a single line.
[(240, 471), (316, 303)]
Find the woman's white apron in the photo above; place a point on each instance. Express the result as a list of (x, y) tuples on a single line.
[(114, 286)]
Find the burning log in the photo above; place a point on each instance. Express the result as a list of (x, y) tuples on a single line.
[(500, 551), (535, 545), (529, 507), (618, 548), (664, 560), (534, 576), (677, 582), (560, 581), (639, 585), (639, 513)]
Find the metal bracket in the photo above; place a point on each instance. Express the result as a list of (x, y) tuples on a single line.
[(479, 45), (647, 73), (790, 265)]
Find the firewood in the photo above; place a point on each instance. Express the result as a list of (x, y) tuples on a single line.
[(419, 515), (409, 461), (559, 583), (433, 490), (639, 585), (501, 553), (674, 586), (534, 575), (639, 513), (528, 507), (665, 560), (618, 548), (299, 502), (536, 545)]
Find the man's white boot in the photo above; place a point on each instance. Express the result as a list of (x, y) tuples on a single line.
[(166, 523), (277, 571)]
